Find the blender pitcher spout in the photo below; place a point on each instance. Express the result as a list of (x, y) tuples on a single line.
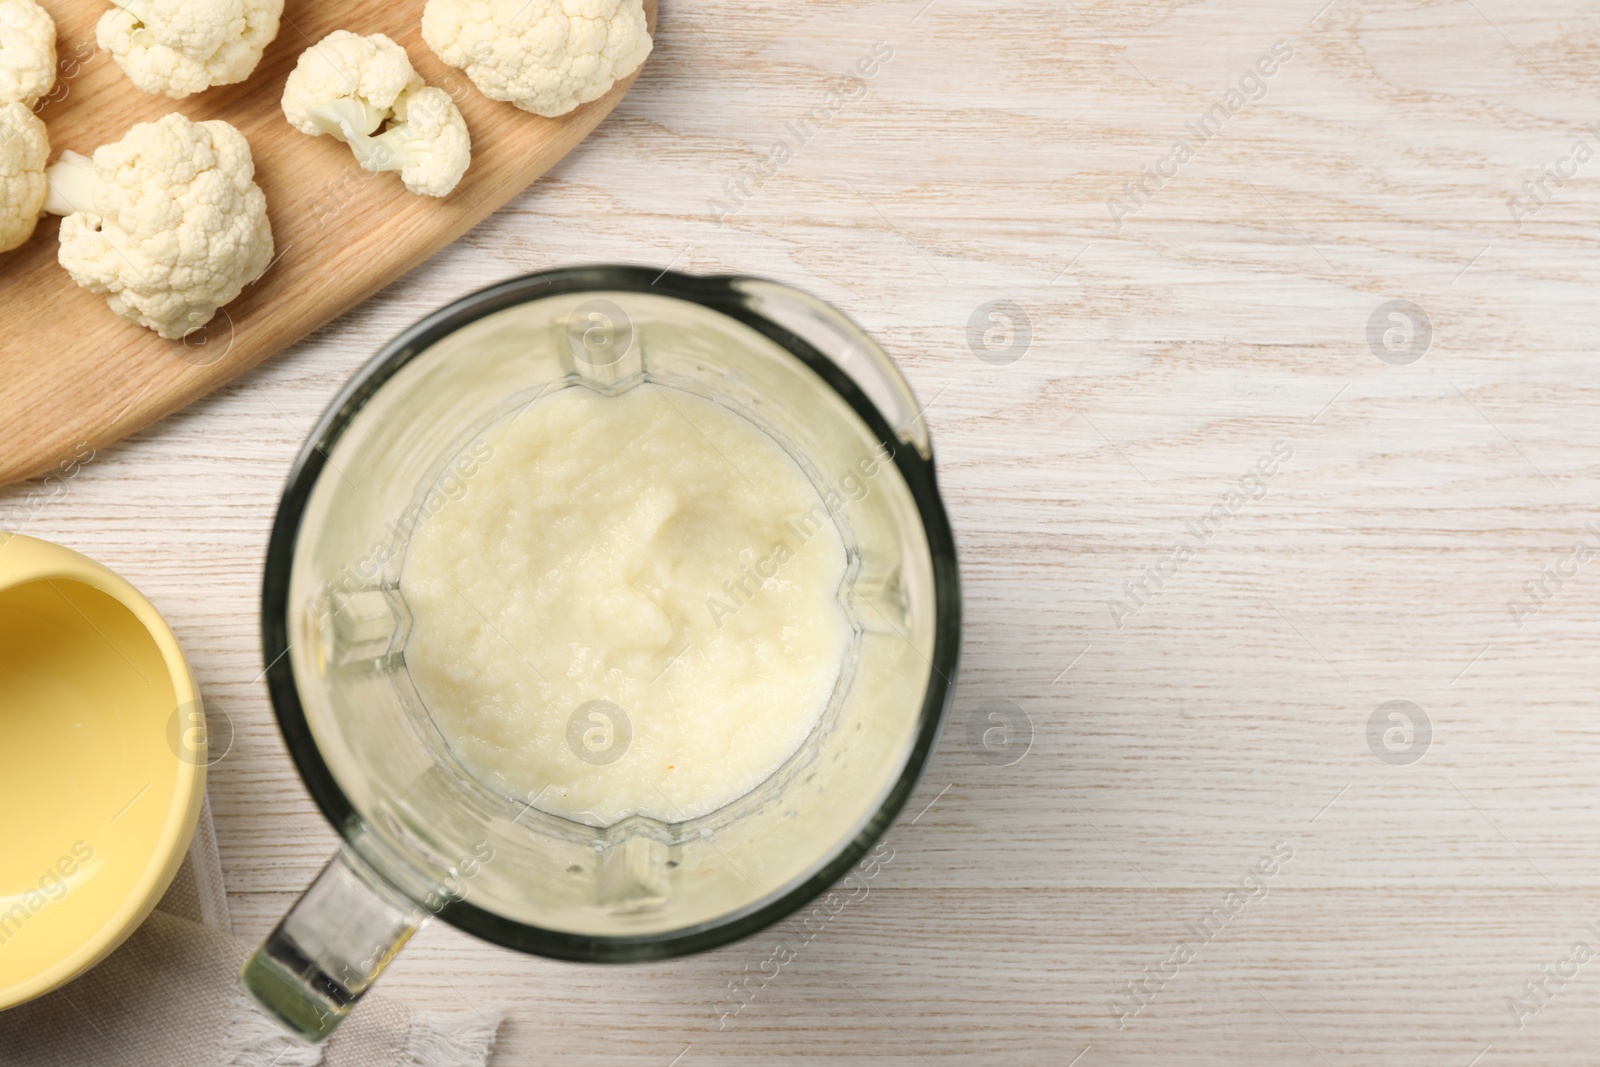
[(327, 952), (839, 338)]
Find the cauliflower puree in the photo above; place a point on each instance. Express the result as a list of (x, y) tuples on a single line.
[(632, 609)]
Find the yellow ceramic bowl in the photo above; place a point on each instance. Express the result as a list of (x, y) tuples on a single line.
[(102, 763)]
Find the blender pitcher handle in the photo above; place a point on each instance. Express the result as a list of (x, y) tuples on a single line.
[(326, 953), (837, 337)]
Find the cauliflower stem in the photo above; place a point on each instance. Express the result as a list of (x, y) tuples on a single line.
[(71, 181), (394, 149), (413, 136), (354, 121), (348, 118), (142, 10)]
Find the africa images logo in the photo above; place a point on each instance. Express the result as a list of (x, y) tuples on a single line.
[(1252, 485), (1251, 88), (1135, 995)]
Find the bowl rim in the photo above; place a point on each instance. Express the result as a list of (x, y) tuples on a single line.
[(41, 560), (721, 293)]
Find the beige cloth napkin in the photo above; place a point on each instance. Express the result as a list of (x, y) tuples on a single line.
[(169, 997)]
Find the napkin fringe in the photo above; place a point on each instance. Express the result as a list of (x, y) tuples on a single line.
[(253, 1040), (443, 1040)]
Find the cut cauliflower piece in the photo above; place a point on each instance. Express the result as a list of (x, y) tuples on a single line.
[(545, 56), (348, 86), (24, 149), (167, 222), (427, 143), (179, 47), (27, 52)]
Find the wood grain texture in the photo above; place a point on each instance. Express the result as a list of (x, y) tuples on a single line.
[(74, 377), (1166, 356)]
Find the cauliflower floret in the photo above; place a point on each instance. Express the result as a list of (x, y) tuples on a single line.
[(27, 52), (179, 47), (167, 222), (347, 86), (428, 143), (24, 148), (545, 56)]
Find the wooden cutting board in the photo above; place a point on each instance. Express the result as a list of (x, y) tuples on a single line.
[(73, 376)]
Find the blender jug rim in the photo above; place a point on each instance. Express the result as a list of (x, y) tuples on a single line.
[(720, 293)]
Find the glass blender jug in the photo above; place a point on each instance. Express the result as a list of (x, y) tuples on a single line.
[(422, 835)]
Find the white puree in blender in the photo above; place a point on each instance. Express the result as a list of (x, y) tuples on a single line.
[(654, 550)]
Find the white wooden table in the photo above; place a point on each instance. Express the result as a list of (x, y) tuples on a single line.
[(1161, 354)]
